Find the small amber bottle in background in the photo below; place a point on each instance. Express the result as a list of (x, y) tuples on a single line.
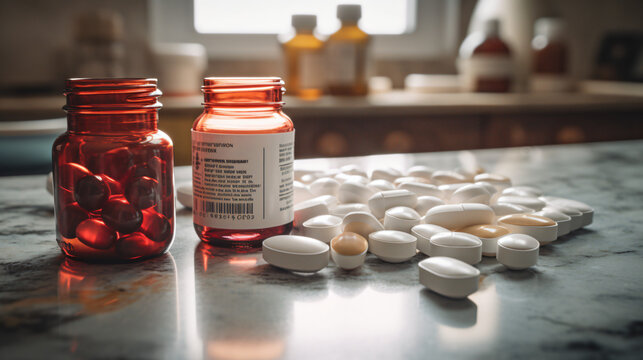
[(550, 67), (347, 54), (485, 61), (303, 53)]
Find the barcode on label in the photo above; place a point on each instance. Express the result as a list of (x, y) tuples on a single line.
[(227, 208)]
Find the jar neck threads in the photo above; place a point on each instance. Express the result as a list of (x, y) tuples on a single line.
[(244, 94), (104, 106)]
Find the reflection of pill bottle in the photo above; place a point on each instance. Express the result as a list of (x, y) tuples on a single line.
[(550, 72), (244, 144), (347, 54), (303, 53), (485, 61)]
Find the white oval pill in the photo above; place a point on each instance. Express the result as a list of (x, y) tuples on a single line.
[(529, 202), (301, 191), (300, 173), (499, 181), (354, 192), (308, 209), (543, 229), (586, 210), (575, 215), (184, 195), (401, 218), (324, 186), (471, 193), (457, 216), (348, 250), (449, 189), (422, 189), (423, 233), (342, 209), (449, 277), (502, 209), (352, 169), (295, 253), (362, 223), (490, 188), (381, 185), (458, 245), (523, 190), (384, 200), (342, 178), (392, 246), (410, 179), (322, 227), (421, 171), (441, 177), (425, 203), (388, 174), (488, 234), (517, 251), (564, 221)]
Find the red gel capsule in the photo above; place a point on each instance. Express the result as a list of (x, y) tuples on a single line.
[(156, 226), (69, 218), (91, 192), (70, 173), (115, 187), (143, 192), (137, 245), (121, 215), (94, 233)]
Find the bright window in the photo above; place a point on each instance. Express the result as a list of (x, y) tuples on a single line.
[(273, 17)]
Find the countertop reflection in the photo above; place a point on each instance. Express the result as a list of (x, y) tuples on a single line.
[(584, 299)]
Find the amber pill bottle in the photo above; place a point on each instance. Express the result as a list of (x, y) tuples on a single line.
[(113, 172), (242, 163)]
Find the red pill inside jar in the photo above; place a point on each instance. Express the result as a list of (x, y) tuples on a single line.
[(143, 192), (137, 245), (95, 234), (121, 216), (115, 163), (115, 187), (156, 226), (70, 173), (69, 218), (91, 192)]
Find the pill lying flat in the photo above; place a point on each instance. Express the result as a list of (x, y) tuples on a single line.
[(564, 221), (354, 192), (426, 203), (502, 209), (526, 191), (324, 186), (322, 227), (517, 251), (301, 191), (362, 223), (586, 210), (421, 171), (421, 189), (381, 185), (471, 193), (440, 177), (423, 233), (342, 210), (501, 182), (488, 234), (457, 216), (384, 200), (458, 245), (543, 229), (392, 246), (449, 277), (389, 174), (528, 202), (401, 218), (295, 253), (309, 209)]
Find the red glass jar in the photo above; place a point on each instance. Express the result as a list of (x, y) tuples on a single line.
[(113, 172), (242, 158)]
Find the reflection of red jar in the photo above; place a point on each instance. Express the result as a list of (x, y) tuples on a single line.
[(113, 172)]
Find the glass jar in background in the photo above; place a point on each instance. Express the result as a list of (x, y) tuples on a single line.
[(550, 56), (113, 172), (242, 163), (347, 52), (303, 57)]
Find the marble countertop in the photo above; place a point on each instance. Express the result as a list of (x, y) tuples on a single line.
[(583, 300)]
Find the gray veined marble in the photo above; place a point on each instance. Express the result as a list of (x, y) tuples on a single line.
[(583, 300)]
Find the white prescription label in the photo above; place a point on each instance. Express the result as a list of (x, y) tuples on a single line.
[(310, 70), (342, 61), (242, 181)]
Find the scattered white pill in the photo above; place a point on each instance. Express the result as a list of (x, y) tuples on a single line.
[(348, 250), (354, 192), (401, 218), (421, 171), (362, 223), (564, 221), (392, 246), (308, 178), (471, 193), (322, 227), (426, 203), (529, 202), (299, 174), (342, 209), (501, 182), (527, 191), (457, 216), (441, 177), (575, 215), (330, 200), (301, 191), (184, 195), (388, 174), (490, 188), (381, 185), (353, 169), (384, 200), (422, 189), (449, 189), (449, 277), (409, 179), (49, 185), (423, 233), (502, 209), (295, 253), (518, 251), (586, 210), (309, 209), (324, 186), (543, 229), (488, 234), (458, 245)]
